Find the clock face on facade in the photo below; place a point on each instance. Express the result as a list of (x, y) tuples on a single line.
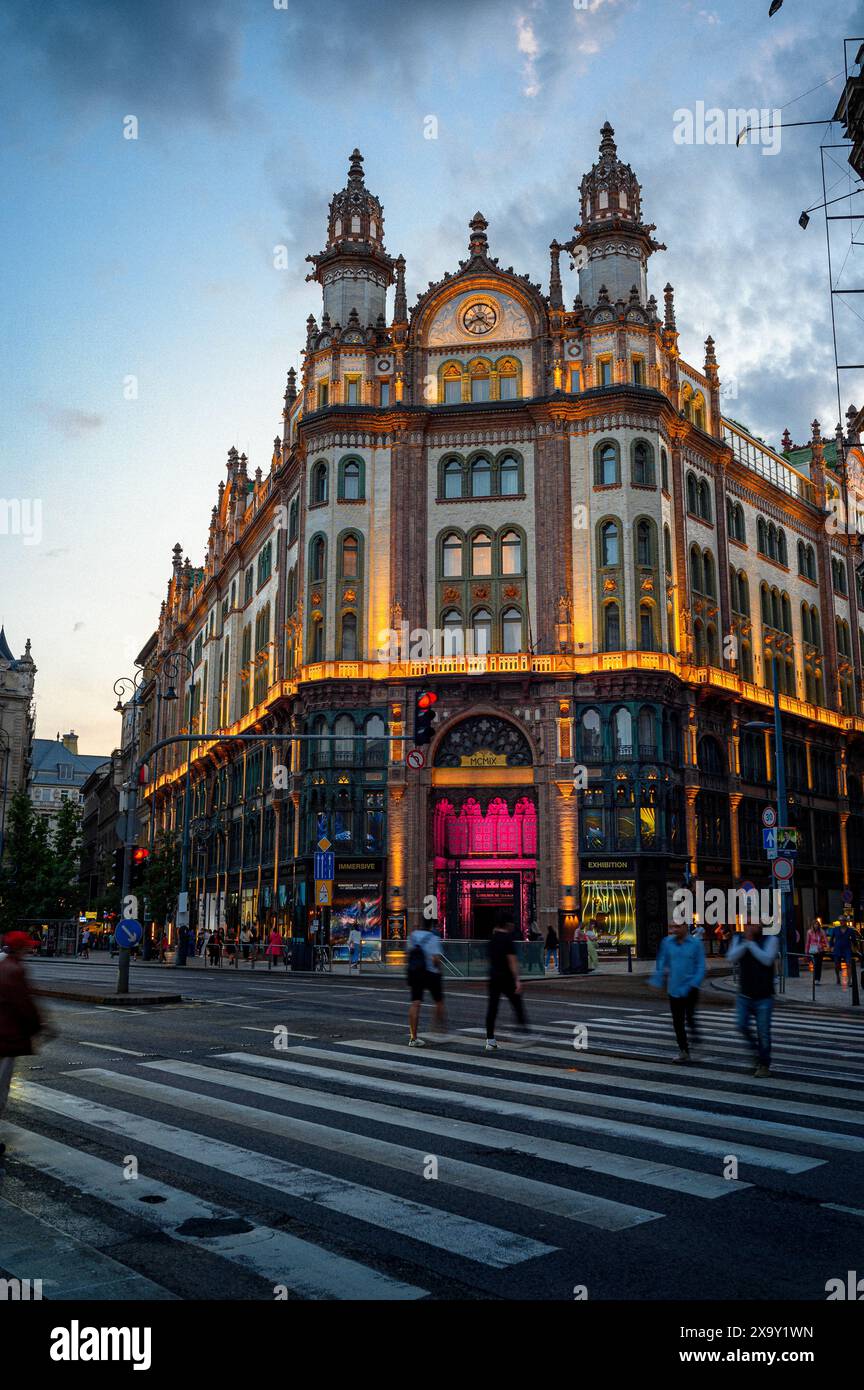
[(479, 318)]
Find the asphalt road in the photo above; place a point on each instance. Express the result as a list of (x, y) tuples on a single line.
[(274, 1133)]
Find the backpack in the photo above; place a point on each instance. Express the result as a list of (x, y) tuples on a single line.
[(416, 960)]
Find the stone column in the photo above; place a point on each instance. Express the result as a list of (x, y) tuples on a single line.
[(735, 799), (690, 794), (844, 848)]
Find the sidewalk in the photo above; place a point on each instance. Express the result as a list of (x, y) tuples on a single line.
[(828, 995)]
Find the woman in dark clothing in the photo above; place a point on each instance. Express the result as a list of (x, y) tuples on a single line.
[(552, 947), (19, 1017)]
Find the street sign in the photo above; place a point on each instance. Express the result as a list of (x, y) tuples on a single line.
[(120, 827), (847, 895), (787, 841), (416, 759), (769, 816), (128, 932), (783, 869), (325, 864), (324, 893), (785, 885), (769, 841), (324, 844)]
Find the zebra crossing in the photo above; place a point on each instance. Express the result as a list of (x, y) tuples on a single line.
[(399, 1173)]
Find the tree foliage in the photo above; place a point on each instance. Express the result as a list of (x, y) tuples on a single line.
[(162, 877), (40, 873)]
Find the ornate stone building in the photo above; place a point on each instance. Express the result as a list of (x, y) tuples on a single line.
[(17, 676), (539, 512)]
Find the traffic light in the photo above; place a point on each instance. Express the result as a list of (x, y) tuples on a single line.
[(140, 856), (424, 716)]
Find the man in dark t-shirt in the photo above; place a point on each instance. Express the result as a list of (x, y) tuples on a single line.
[(503, 979)]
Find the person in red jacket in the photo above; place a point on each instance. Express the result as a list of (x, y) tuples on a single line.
[(19, 1018)]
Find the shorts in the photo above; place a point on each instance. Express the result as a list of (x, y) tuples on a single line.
[(421, 981)]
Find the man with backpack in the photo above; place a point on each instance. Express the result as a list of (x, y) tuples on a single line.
[(424, 972), (757, 955)]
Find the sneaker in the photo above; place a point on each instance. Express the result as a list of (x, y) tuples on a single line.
[(491, 1045), (762, 1071), (683, 1057), (416, 1042)]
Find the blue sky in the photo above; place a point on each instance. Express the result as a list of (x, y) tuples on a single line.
[(153, 257)]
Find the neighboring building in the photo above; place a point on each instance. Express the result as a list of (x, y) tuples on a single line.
[(58, 772), (16, 724), (100, 809), (610, 568)]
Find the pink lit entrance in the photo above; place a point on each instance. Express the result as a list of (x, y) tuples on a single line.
[(485, 864)]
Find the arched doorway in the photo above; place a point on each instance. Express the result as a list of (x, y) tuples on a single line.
[(484, 827)]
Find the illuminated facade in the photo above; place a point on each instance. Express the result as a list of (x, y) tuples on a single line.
[(540, 513)]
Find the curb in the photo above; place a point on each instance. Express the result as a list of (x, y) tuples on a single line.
[(93, 998), (827, 1010)]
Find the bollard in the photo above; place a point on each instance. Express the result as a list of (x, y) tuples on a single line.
[(629, 960)]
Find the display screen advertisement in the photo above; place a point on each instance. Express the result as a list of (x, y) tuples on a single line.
[(613, 903), (357, 902)]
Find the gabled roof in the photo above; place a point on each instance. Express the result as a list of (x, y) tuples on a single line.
[(5, 653)]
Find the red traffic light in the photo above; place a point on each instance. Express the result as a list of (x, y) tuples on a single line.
[(426, 700), (140, 855)]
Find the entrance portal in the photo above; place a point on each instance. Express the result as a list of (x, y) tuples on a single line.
[(485, 865)]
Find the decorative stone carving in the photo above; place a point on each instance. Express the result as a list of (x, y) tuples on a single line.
[(484, 733)]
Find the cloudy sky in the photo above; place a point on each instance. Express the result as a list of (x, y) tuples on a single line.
[(146, 328)]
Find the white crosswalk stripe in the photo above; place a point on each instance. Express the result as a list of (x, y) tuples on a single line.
[(379, 1113)]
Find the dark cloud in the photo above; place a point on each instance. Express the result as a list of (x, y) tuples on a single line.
[(159, 56)]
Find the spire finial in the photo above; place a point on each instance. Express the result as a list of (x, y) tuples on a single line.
[(669, 300), (355, 169), (556, 295), (478, 242), (607, 141)]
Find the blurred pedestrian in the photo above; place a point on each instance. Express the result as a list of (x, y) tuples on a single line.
[(85, 944), (355, 946), (503, 979), (20, 1021), (552, 947), (757, 954), (424, 973), (841, 948), (680, 968), (163, 946), (591, 938), (274, 949), (815, 947)]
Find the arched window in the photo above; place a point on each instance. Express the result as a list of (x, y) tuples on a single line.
[(765, 601), (612, 627), (699, 411), (609, 546), (786, 611), (708, 574), (643, 463), (350, 557), (761, 537), (482, 625), (319, 484), (511, 553), (802, 558), (318, 560), (592, 743), (782, 552), (815, 629), (644, 548), (452, 384), (511, 630), (606, 465), (376, 752), (481, 478), (481, 553), (317, 643), (805, 624), (454, 633), (508, 379), (712, 645), (453, 478), (348, 646), (647, 732), (692, 494), (622, 733), (699, 641), (772, 541), (480, 384), (508, 476), (667, 549), (704, 508), (646, 627), (709, 757), (664, 470), (351, 489), (343, 747), (451, 552), (696, 570), (293, 520), (776, 614), (743, 594)]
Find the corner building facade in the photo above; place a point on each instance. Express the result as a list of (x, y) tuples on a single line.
[(540, 513)]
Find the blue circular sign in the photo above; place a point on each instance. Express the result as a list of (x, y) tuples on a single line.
[(128, 932)]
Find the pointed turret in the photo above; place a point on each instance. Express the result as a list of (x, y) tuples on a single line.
[(611, 232), (354, 269), (556, 294)]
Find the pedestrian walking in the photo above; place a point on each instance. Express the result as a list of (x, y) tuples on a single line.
[(163, 946), (841, 948), (424, 973), (245, 942), (355, 945), (20, 1021), (85, 944), (591, 939), (231, 949), (503, 979), (757, 954), (815, 947), (680, 969), (552, 947), (274, 949)]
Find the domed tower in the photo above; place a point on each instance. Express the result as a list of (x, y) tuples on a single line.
[(354, 269), (614, 242)]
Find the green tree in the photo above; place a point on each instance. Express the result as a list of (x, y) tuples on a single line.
[(42, 864), (162, 877), (65, 890)]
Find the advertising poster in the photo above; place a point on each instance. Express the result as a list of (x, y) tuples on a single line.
[(357, 902), (613, 903)]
